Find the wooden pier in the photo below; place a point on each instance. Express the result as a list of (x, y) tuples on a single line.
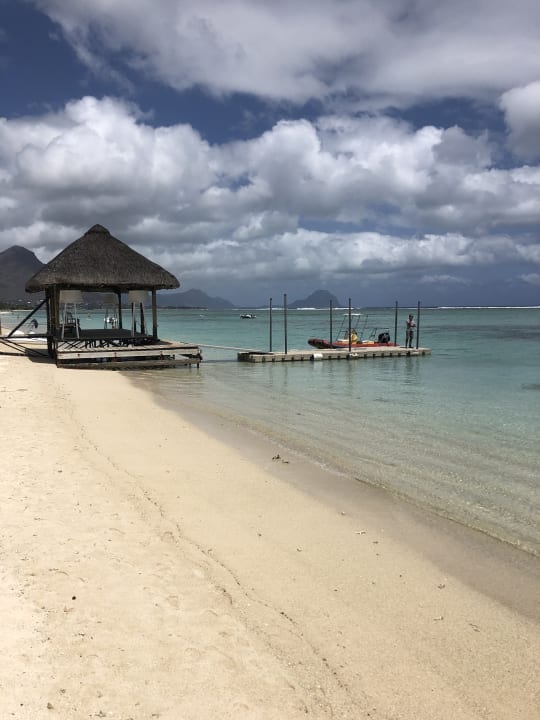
[(364, 353), (97, 351), (116, 355)]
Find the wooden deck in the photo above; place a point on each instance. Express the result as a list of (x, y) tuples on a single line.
[(33, 346), (315, 355), (102, 349), (125, 355)]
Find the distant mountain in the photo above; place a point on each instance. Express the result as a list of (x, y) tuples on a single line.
[(317, 299), (192, 299), (17, 265)]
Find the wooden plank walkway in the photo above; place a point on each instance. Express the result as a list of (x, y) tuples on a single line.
[(34, 346), (162, 353), (314, 355)]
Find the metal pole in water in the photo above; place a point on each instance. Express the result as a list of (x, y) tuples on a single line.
[(395, 324), (350, 326), (285, 319), (418, 325), (270, 322), (331, 329)]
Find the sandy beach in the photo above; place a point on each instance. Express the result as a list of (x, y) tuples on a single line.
[(153, 567)]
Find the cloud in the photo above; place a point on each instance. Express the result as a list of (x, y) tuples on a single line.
[(521, 106), (529, 252), (381, 54), (444, 280), (334, 199), (531, 279), (96, 158)]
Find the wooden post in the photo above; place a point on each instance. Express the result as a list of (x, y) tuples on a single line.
[(55, 317), (119, 296), (143, 321), (285, 319), (331, 324), (395, 324), (270, 322), (350, 326), (154, 314)]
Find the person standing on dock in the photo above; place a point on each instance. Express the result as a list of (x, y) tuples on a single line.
[(409, 331)]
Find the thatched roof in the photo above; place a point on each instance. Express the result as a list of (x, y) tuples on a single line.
[(98, 261)]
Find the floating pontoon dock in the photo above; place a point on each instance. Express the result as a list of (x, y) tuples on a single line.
[(363, 353)]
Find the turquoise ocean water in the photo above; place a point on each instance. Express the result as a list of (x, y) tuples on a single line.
[(457, 432)]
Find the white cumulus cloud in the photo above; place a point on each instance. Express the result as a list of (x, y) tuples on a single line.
[(521, 106), (326, 199), (382, 53)]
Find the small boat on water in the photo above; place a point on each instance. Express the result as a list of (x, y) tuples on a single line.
[(354, 333), (248, 316)]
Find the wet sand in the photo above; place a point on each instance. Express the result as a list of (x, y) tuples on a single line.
[(152, 566)]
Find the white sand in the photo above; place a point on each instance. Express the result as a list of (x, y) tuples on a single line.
[(151, 570)]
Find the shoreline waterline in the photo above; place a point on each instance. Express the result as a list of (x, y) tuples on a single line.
[(379, 448), (455, 432), (470, 553)]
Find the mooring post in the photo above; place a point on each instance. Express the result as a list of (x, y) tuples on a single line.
[(418, 325), (285, 319), (350, 326), (331, 328), (395, 323), (270, 323)]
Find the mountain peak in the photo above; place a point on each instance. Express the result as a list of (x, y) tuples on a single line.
[(193, 299), (17, 265), (317, 299), (16, 252)]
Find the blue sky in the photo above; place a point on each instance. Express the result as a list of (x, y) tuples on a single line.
[(380, 149)]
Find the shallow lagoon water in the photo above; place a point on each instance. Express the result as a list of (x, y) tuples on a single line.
[(456, 432)]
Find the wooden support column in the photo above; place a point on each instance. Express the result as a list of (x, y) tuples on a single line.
[(154, 314), (119, 296)]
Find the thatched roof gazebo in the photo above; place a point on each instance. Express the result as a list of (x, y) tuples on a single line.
[(98, 262)]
